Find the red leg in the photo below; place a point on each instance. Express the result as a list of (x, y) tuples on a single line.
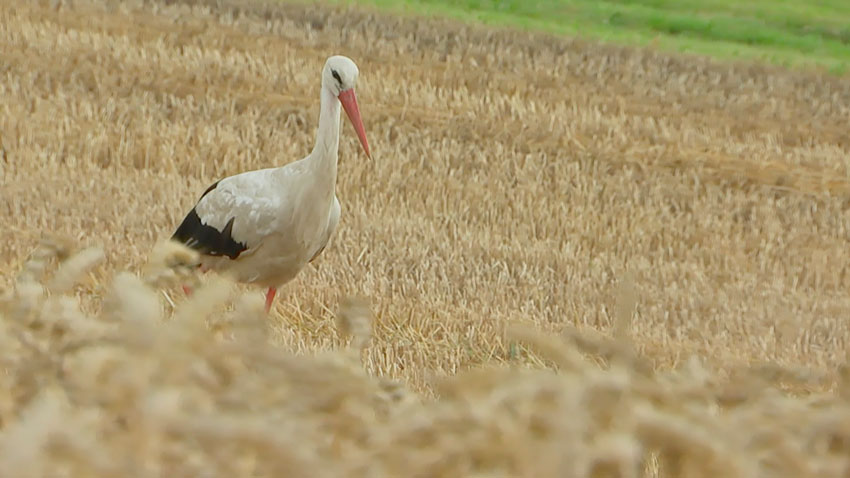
[(187, 290), (270, 298)]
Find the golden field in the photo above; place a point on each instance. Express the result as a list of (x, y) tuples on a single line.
[(571, 259)]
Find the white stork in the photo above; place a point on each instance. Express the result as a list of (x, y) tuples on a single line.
[(263, 226)]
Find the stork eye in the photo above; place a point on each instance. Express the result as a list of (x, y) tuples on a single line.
[(336, 76)]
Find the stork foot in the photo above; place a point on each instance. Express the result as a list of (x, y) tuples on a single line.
[(270, 298), (187, 290)]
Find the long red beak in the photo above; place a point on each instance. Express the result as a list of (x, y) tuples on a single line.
[(349, 104)]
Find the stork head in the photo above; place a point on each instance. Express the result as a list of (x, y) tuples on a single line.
[(339, 77)]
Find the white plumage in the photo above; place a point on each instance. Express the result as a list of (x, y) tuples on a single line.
[(264, 226)]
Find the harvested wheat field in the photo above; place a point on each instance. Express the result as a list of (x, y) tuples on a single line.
[(564, 259)]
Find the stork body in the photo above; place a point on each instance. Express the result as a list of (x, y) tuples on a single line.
[(262, 227)]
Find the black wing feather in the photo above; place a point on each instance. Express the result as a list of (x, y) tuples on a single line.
[(207, 239)]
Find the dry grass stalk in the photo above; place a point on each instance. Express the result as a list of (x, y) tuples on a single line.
[(355, 320)]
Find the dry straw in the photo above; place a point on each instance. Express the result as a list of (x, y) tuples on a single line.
[(565, 259), (204, 392)]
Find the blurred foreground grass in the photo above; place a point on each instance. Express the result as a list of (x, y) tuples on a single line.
[(201, 391)]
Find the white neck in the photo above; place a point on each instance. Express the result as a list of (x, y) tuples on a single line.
[(323, 158)]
